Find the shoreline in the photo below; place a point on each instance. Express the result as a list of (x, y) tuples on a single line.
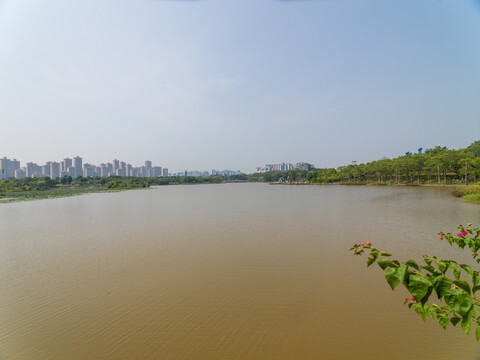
[(76, 191), (55, 194), (362, 184)]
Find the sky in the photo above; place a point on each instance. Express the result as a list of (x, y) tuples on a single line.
[(236, 84)]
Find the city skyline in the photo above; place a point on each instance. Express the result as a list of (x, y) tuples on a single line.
[(74, 167)]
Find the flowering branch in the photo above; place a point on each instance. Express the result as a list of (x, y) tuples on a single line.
[(458, 295)]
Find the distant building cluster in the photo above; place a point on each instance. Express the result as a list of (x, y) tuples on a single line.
[(303, 166), (285, 167), (226, 172), (75, 167), (275, 167)]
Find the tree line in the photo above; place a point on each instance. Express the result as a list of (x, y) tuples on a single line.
[(434, 166), (111, 182)]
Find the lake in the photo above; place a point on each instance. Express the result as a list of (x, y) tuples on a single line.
[(228, 271)]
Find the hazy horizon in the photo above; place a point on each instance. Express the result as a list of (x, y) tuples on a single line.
[(215, 84)]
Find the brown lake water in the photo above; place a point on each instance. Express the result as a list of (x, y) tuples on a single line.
[(229, 271)]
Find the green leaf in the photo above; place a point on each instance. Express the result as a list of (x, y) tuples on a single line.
[(462, 284), (383, 253), (441, 284), (473, 312), (468, 270), (455, 269), (370, 260), (466, 325), (442, 266), (427, 260), (459, 300), (477, 333), (413, 264), (418, 286), (442, 319), (383, 263), (420, 311), (475, 288), (374, 253), (455, 320), (427, 295), (430, 269), (400, 273), (475, 277), (430, 311), (392, 278)]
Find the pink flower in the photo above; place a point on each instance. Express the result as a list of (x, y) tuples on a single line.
[(464, 232), (413, 299), (369, 243), (460, 234), (440, 237)]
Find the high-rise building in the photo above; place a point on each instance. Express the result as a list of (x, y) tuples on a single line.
[(122, 169), (109, 169), (5, 168), (8, 167), (88, 170), (66, 163), (165, 171), (15, 165), (46, 169), (19, 173), (304, 166), (54, 170), (115, 165), (103, 170), (33, 170), (148, 164), (77, 164)]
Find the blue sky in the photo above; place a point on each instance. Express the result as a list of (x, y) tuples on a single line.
[(215, 84)]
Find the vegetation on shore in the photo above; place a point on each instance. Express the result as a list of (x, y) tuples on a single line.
[(438, 165), (47, 194), (45, 188), (470, 193)]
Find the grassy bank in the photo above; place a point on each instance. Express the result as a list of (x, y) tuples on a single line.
[(15, 196), (470, 193)]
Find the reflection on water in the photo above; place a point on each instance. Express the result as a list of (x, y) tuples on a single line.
[(231, 271)]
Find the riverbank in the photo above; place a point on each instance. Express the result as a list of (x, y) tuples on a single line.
[(17, 196), (469, 193)]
